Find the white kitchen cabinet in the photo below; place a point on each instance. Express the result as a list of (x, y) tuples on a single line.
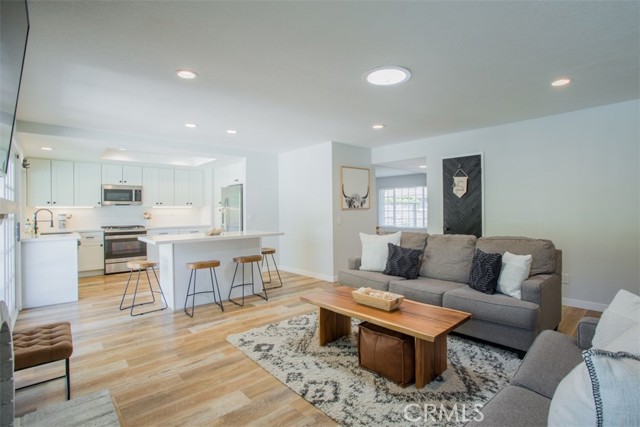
[(91, 252), (158, 186), (87, 179), (121, 174), (189, 188), (50, 183)]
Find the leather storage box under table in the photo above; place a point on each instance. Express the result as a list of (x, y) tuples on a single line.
[(386, 352)]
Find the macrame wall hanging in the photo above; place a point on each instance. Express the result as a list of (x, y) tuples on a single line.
[(460, 179)]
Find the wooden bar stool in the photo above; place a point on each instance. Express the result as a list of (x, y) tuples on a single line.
[(139, 266), (271, 251), (194, 267), (250, 259)]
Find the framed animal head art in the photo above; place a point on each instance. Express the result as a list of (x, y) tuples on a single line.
[(356, 188)]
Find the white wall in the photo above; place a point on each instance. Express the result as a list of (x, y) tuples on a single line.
[(306, 211), (572, 178), (347, 224), (261, 195)]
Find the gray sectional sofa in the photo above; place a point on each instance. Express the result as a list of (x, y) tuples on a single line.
[(526, 400), (444, 275)]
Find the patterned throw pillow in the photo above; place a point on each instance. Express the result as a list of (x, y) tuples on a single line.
[(485, 269), (403, 262)]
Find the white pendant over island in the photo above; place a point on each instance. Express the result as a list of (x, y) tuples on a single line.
[(175, 251)]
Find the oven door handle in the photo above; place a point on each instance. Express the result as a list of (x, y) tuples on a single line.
[(130, 237)]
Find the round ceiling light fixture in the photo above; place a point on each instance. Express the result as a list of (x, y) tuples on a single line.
[(387, 76), (422, 166), (232, 131), (561, 82), (186, 74), (378, 126), (46, 148), (191, 125)]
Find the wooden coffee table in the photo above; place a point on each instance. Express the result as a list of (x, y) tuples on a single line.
[(428, 324)]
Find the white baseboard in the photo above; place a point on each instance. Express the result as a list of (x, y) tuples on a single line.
[(326, 278), (587, 305)]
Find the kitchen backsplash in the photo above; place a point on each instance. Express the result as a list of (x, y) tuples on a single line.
[(89, 219)]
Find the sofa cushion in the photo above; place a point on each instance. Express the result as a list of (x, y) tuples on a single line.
[(403, 262), (448, 257), (552, 354), (428, 291), (366, 279), (495, 308), (413, 240), (485, 269), (542, 251), (513, 406)]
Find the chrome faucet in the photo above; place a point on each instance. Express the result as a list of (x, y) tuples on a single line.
[(35, 220)]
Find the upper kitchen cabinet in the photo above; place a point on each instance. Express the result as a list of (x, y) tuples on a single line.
[(121, 175), (87, 179), (189, 188), (50, 183), (158, 185)]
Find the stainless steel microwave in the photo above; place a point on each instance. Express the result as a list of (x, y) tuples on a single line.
[(121, 195)]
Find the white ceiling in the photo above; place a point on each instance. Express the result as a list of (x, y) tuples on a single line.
[(100, 74)]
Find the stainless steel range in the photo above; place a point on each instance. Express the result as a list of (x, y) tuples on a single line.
[(121, 245)]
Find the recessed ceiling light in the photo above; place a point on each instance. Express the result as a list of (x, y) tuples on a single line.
[(378, 126), (387, 76), (422, 166), (191, 125), (232, 131), (561, 82), (46, 148), (122, 149), (186, 74)]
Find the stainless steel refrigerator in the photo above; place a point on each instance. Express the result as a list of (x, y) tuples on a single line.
[(231, 204)]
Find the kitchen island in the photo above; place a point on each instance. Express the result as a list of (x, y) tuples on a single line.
[(175, 251)]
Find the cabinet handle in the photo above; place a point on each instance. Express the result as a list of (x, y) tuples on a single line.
[(100, 244), (48, 203), (54, 203)]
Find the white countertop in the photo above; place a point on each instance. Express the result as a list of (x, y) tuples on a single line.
[(167, 227), (201, 237), (50, 238)]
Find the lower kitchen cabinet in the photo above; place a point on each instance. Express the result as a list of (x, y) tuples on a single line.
[(91, 254)]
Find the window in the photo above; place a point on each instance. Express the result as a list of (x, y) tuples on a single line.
[(403, 207)]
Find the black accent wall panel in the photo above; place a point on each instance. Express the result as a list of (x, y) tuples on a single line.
[(462, 215)]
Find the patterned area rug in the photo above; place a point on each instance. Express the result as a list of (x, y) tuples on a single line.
[(330, 378)]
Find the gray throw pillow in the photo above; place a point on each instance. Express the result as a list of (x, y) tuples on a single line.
[(403, 262), (485, 269)]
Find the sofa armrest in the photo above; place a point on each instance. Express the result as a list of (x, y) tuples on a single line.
[(586, 331), (354, 263), (546, 291)]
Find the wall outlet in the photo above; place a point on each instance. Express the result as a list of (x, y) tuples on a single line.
[(565, 278)]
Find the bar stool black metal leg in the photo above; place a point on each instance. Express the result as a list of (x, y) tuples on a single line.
[(186, 299), (160, 288), (124, 294), (235, 272), (277, 271), (264, 289), (212, 273), (153, 297)]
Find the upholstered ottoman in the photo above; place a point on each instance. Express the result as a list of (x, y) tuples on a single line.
[(43, 344), (386, 352)]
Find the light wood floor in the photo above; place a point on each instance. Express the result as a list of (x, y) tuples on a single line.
[(167, 369)]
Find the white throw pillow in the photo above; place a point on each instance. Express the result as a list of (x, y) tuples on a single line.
[(375, 250), (601, 391), (622, 314), (515, 270)]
